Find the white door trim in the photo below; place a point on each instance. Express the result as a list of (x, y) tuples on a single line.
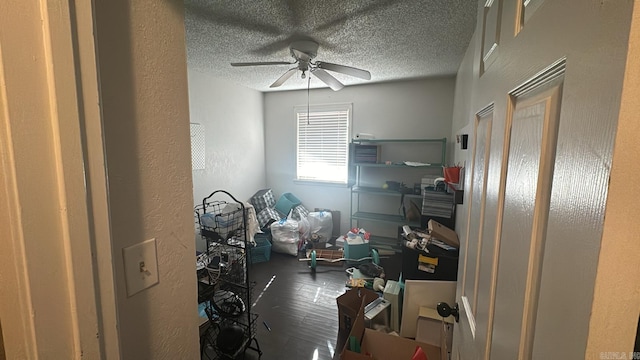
[(616, 299), (470, 318), (60, 38)]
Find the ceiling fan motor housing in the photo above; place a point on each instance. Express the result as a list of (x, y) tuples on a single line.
[(305, 46)]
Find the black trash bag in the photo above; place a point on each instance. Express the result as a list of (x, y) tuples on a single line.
[(230, 338), (371, 270)]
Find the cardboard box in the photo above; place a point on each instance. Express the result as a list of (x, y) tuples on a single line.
[(426, 293), (373, 344), (377, 345), (443, 233), (355, 323), (433, 329), (350, 303)]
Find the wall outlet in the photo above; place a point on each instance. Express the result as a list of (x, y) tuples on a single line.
[(140, 266)]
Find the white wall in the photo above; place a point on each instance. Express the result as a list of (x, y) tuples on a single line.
[(232, 116), (394, 110), (462, 124), (142, 67)]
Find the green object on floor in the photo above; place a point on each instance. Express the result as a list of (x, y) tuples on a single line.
[(375, 257), (313, 260), (354, 345)]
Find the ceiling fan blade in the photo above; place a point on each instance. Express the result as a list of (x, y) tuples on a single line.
[(326, 78), (284, 77), (260, 63), (272, 48), (347, 70), (366, 10), (213, 15)]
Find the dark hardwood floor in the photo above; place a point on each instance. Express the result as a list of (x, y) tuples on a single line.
[(299, 307)]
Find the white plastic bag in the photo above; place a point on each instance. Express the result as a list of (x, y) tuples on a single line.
[(321, 224), (304, 229), (285, 237)]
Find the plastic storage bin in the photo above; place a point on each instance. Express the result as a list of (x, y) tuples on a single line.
[(262, 251), (286, 202), (355, 252)]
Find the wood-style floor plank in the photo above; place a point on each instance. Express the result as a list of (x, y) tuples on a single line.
[(299, 307)]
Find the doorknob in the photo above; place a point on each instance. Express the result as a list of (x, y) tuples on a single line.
[(445, 310)]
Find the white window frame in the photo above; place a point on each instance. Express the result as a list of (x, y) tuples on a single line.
[(319, 172)]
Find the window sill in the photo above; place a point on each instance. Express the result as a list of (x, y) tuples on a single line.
[(320, 183)]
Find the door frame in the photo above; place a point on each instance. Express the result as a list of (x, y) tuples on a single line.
[(59, 35), (616, 302)]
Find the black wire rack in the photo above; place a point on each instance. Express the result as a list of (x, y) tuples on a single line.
[(224, 284)]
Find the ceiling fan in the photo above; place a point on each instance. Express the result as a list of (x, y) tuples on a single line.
[(304, 53)]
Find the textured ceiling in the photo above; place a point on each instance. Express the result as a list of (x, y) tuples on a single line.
[(393, 39)]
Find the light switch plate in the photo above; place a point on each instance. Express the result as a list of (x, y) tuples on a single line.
[(140, 266)]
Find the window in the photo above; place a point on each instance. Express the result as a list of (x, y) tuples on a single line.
[(197, 147), (323, 142)]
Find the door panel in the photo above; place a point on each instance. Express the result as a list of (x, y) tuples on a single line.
[(486, 256), (508, 299), (482, 141), (480, 184), (525, 9), (537, 300), (522, 176), (475, 242), (491, 22), (526, 204)]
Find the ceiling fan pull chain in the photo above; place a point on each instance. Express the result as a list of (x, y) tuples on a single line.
[(308, 86)]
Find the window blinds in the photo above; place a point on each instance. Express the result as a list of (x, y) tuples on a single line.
[(323, 143)]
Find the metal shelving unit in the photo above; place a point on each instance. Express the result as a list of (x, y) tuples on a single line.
[(361, 216), (385, 218), (379, 191), (442, 141), (397, 165)]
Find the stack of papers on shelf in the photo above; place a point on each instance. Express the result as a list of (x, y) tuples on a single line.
[(415, 163), (441, 244), (437, 203)]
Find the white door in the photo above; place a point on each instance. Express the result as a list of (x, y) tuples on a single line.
[(540, 165), (529, 170), (476, 244)]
